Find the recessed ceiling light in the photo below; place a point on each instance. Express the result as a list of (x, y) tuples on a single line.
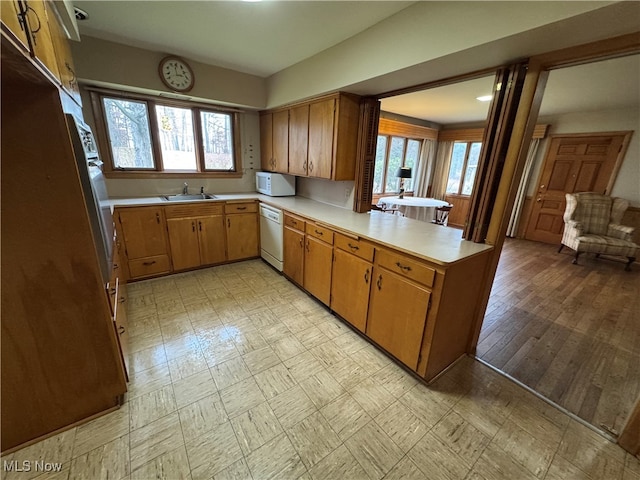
[(485, 98)]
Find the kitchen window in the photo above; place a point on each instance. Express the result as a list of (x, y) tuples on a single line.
[(147, 136), (464, 163), (393, 152)]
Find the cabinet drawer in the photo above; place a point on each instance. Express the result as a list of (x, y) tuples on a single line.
[(360, 248), (320, 232), (202, 210), (406, 266), (249, 207), (296, 223), (142, 267)]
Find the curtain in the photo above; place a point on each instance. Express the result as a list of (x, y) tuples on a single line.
[(424, 171), (441, 169), (521, 195)]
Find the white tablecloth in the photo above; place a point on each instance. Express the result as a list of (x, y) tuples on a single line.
[(420, 208)]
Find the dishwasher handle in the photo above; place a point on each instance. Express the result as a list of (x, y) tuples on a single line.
[(271, 213)]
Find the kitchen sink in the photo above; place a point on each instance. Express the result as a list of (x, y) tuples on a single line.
[(188, 197)]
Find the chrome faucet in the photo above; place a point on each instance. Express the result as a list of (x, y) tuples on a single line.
[(185, 189)]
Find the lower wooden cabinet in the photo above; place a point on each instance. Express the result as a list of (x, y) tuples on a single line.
[(196, 235), (350, 287), (145, 240), (397, 315), (242, 230), (308, 256), (293, 265)]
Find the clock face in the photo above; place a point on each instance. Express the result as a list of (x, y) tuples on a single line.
[(176, 74)]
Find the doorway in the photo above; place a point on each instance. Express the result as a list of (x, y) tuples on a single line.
[(561, 329)]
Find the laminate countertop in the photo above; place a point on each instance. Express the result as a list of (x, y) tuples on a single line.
[(436, 243)]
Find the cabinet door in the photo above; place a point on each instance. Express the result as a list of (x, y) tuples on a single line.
[(242, 236), (144, 232), (317, 269), (121, 325), (212, 246), (321, 123), (42, 46), (12, 21), (298, 139), (183, 240), (397, 315), (293, 255), (266, 142), (350, 288), (281, 141), (62, 48)]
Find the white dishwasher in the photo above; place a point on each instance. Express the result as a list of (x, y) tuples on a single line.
[(271, 235)]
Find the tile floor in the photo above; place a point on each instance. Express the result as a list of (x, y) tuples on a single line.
[(237, 374)]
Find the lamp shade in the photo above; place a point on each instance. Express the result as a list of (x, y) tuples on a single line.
[(404, 172)]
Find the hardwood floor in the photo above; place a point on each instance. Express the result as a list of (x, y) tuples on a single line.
[(570, 332)]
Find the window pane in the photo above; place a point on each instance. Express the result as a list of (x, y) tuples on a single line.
[(455, 171), (128, 127), (217, 139), (395, 162), (411, 160), (175, 126), (381, 150), (472, 166)]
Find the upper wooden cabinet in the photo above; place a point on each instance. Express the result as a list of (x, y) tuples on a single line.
[(34, 26), (13, 23), (274, 141), (322, 138)]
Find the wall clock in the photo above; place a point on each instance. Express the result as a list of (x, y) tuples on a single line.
[(176, 74)]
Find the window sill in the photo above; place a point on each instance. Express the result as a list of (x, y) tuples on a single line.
[(138, 174)]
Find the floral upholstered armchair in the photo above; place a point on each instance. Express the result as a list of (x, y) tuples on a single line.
[(592, 224)]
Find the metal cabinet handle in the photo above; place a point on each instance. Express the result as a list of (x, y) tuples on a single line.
[(158, 218), (294, 223), (121, 329), (200, 225), (193, 226), (148, 263), (123, 299), (228, 222), (311, 167), (33, 32), (308, 246), (301, 243), (353, 247), (366, 276), (379, 282), (112, 291), (318, 232), (403, 267), (241, 208)]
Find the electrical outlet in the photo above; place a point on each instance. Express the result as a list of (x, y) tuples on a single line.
[(347, 193)]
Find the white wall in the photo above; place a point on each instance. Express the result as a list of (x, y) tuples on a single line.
[(627, 184), (339, 194)]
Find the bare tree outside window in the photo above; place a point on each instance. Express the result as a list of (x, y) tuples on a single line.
[(128, 128), (217, 139), (176, 138)]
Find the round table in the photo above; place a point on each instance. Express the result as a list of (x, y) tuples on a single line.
[(420, 208)]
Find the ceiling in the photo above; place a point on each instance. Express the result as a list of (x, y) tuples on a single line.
[(277, 34), (606, 85), (260, 38)]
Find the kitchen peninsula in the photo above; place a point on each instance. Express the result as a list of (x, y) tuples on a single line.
[(410, 287)]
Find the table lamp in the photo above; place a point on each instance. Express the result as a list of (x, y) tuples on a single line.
[(403, 172)]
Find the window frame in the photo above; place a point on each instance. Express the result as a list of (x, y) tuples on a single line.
[(404, 159), (102, 136), (465, 164)]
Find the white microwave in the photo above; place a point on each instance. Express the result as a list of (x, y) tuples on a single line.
[(275, 184)]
